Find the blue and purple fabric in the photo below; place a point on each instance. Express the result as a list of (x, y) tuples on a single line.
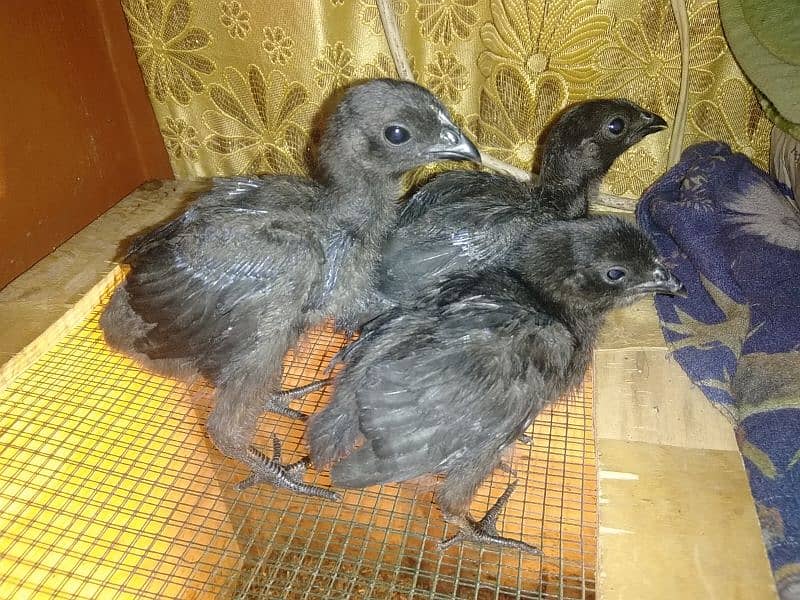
[(732, 235)]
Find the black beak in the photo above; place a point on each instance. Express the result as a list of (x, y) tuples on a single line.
[(453, 144), (651, 123), (663, 282)]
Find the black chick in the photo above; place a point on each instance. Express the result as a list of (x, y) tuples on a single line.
[(469, 219), (443, 388), (225, 289)]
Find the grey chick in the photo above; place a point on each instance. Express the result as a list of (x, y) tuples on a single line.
[(444, 387), (225, 289), (469, 219)]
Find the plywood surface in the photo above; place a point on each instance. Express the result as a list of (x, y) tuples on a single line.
[(677, 519), (678, 523), (78, 131), (643, 395)]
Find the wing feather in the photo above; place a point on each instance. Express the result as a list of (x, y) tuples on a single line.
[(444, 383), (208, 277)]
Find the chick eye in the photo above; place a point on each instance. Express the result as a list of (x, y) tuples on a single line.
[(615, 274), (616, 125), (395, 134)]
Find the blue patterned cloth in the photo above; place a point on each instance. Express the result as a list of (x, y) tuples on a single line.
[(732, 235)]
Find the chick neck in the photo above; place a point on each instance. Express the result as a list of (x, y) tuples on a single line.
[(541, 260), (564, 188), (358, 199)]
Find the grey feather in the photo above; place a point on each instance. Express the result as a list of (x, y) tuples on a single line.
[(443, 387), (225, 289), (470, 219)]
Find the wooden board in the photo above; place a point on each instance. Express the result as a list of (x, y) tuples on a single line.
[(78, 131), (678, 523), (677, 519), (643, 395)]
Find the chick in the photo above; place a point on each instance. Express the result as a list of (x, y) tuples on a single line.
[(225, 289), (443, 388), (469, 219)]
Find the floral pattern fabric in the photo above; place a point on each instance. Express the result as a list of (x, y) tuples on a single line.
[(732, 235), (236, 84)]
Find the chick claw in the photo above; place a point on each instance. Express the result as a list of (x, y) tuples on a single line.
[(289, 476), (484, 532), (279, 402), (507, 468)]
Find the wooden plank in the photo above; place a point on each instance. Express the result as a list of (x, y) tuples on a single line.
[(634, 326), (678, 523), (676, 515), (643, 395), (78, 130), (641, 392)]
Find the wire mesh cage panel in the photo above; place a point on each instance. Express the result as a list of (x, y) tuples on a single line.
[(109, 488)]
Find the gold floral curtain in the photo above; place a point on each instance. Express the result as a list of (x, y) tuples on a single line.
[(235, 84)]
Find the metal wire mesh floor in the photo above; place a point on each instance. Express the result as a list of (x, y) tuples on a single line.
[(109, 488)]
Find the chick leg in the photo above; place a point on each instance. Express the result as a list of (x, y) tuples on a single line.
[(232, 425), (282, 475), (279, 402), (524, 437), (484, 532), (507, 468)]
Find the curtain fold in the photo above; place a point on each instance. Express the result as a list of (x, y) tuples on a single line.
[(236, 84)]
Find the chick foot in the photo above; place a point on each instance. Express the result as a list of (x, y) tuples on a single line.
[(274, 472), (279, 402), (484, 532), (507, 468)]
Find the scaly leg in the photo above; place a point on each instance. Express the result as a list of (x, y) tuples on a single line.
[(278, 474), (507, 468), (232, 425), (484, 532), (279, 402)]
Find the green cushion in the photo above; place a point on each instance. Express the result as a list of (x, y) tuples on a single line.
[(764, 36)]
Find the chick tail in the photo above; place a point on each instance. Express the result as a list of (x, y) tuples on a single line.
[(333, 432), (359, 470)]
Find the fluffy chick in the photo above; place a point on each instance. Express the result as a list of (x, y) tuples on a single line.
[(469, 219), (443, 388), (225, 289)]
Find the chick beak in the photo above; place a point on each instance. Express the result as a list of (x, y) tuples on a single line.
[(453, 144), (663, 282), (651, 123)]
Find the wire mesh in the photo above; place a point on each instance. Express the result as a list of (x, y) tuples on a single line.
[(109, 488)]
